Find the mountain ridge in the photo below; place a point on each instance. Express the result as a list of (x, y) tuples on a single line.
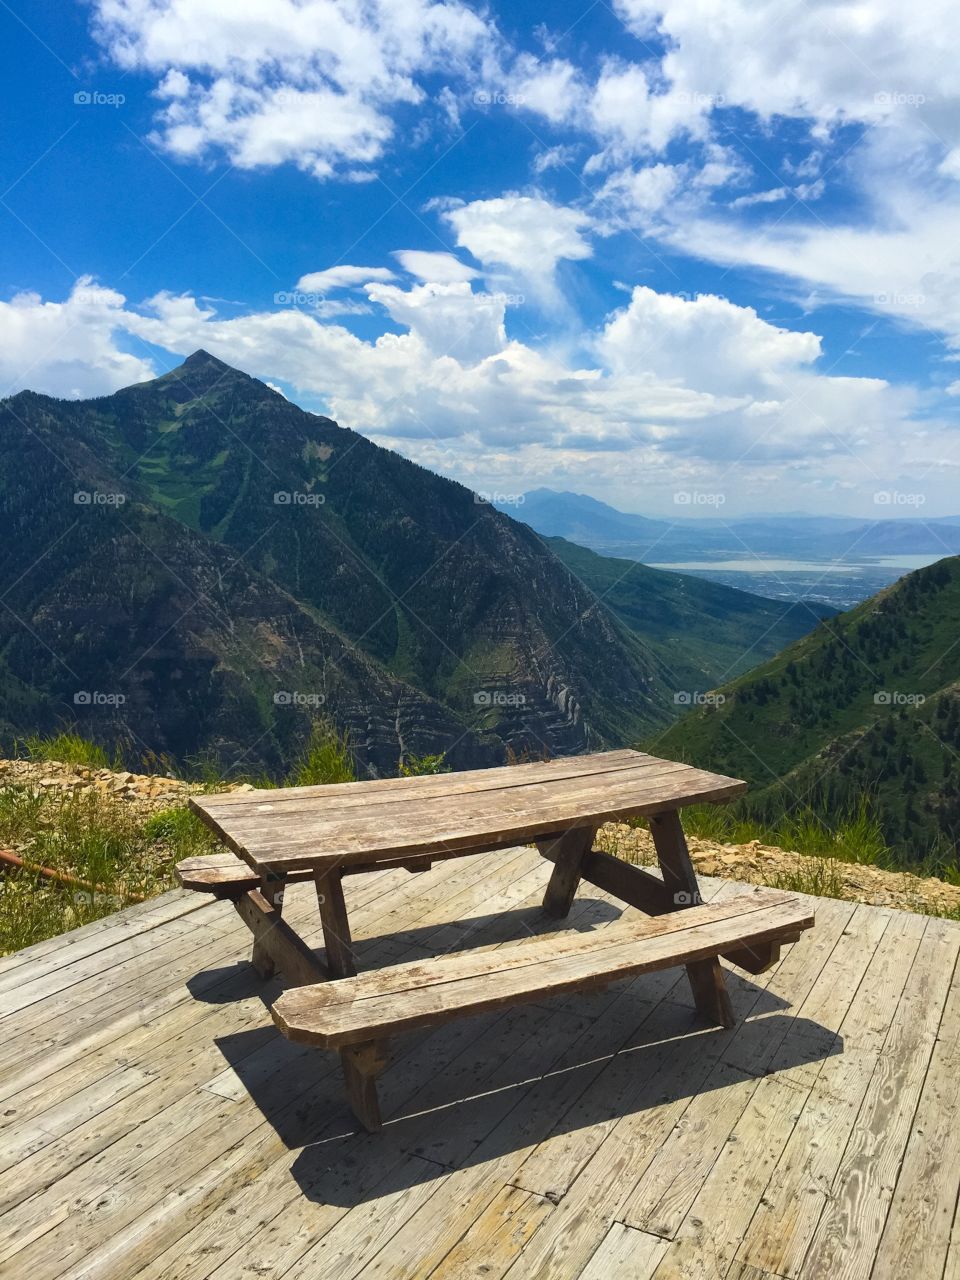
[(867, 705)]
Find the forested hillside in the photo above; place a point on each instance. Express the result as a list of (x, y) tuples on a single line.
[(868, 704)]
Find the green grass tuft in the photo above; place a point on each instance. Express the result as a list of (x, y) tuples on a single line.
[(67, 747), (854, 836), (327, 758)]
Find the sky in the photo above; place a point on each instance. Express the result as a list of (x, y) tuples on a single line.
[(641, 251)]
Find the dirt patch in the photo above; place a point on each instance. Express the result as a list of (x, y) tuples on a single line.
[(764, 864)]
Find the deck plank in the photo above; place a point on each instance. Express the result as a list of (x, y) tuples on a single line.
[(917, 1231), (778, 1112), (184, 1053), (847, 1236), (516, 1144), (666, 1190)]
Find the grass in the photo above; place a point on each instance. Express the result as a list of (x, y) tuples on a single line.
[(100, 840), (95, 839), (327, 758), (855, 836), (823, 848), (67, 747)]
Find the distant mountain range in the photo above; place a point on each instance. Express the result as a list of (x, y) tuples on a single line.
[(868, 704), (594, 524), (195, 566)]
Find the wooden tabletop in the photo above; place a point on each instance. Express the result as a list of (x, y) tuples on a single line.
[(303, 828)]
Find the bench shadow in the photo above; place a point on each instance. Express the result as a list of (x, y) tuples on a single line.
[(239, 981), (461, 1123), (485, 1087)]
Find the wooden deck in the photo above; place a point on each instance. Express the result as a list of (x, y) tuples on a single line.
[(156, 1124)]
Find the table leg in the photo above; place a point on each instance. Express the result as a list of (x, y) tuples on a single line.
[(341, 960), (362, 1063), (272, 888), (706, 976), (567, 853)]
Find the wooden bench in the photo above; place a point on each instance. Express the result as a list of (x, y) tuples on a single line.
[(325, 833), (356, 1015)]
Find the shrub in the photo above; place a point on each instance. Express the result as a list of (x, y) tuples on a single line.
[(327, 758)]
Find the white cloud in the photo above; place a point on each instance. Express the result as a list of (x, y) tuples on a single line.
[(630, 115), (69, 349), (434, 267), (680, 392), (827, 62), (449, 318), (771, 196), (708, 342), (559, 157), (312, 82), (907, 270), (527, 235), (644, 191), (342, 277), (551, 89)]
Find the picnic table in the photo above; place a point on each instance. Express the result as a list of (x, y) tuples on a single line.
[(324, 833)]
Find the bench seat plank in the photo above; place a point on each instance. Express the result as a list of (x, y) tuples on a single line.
[(222, 874), (401, 998)]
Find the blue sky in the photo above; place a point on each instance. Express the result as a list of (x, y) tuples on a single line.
[(633, 250)]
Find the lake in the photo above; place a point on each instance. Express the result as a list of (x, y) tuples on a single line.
[(840, 583)]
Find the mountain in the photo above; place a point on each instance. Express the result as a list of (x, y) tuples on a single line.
[(594, 524), (188, 549), (585, 520), (868, 703), (702, 631)]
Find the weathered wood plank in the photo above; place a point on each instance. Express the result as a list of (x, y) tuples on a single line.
[(526, 972), (635, 1103), (626, 1254), (274, 840), (916, 1235), (98, 935), (533, 952), (730, 1104), (417, 789), (567, 852), (706, 977), (197, 1121), (845, 1241), (276, 941), (496, 1239), (210, 1170), (341, 959)]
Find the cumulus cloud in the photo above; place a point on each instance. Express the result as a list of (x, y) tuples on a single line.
[(708, 341), (311, 82), (640, 191), (449, 318), (526, 235), (679, 391), (72, 349)]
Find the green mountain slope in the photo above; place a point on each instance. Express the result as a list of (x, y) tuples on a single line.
[(431, 595), (867, 703), (151, 636), (703, 632)]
